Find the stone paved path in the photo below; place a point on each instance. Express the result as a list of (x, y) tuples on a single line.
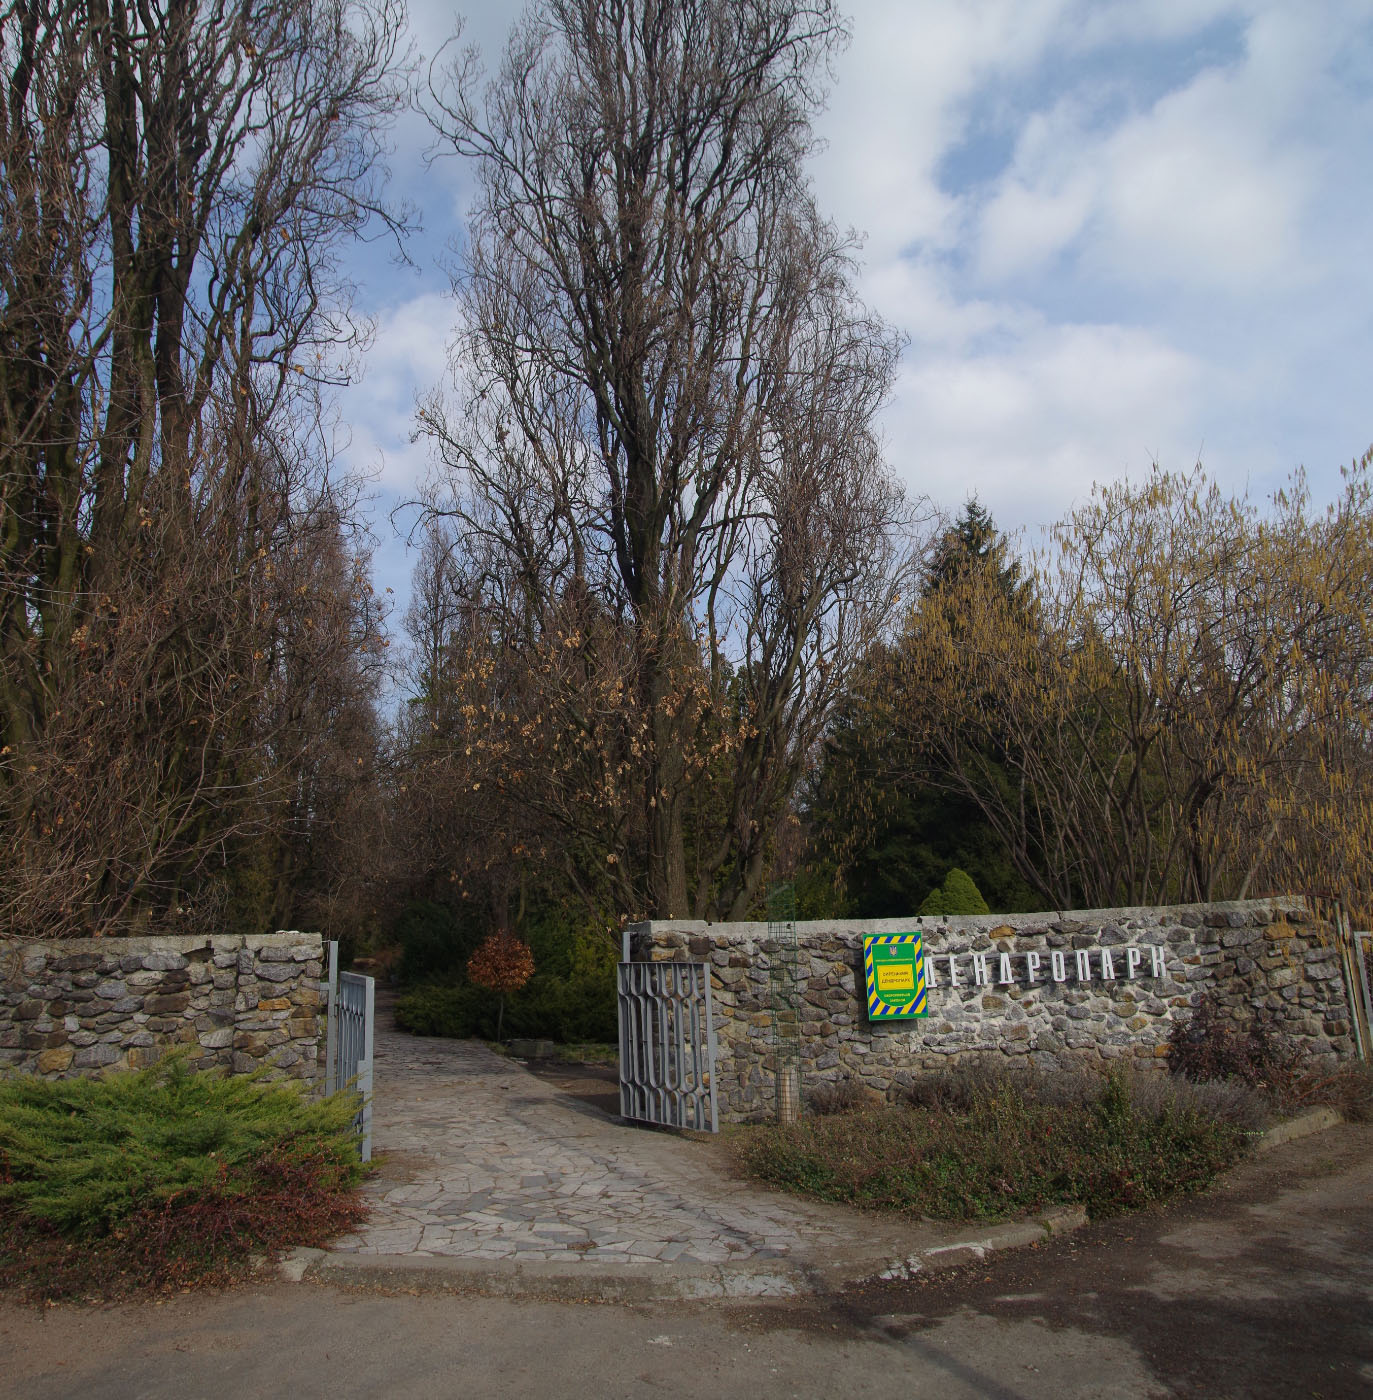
[(486, 1162)]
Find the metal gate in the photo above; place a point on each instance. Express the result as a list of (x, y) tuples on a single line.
[(348, 1041), (667, 1045)]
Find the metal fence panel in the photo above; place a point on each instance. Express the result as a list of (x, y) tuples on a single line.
[(667, 1045)]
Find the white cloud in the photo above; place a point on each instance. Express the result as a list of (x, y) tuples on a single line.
[(1194, 196), (917, 294), (1035, 217), (1031, 426), (899, 104), (1165, 266), (408, 357), (1204, 188)]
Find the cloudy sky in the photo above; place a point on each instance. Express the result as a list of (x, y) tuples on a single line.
[(1113, 231)]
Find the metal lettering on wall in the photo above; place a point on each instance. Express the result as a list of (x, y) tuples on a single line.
[(899, 970), (1037, 968)]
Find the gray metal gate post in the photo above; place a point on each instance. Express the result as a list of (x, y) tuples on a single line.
[(1363, 971), (331, 1022)]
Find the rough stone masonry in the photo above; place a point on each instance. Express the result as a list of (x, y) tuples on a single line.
[(1043, 989), (78, 1006)]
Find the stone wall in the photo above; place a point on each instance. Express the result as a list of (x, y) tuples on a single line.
[(1042, 989), (77, 1006)]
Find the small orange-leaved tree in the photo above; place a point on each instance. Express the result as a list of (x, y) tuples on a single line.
[(502, 964)]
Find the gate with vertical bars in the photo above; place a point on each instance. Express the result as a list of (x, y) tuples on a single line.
[(667, 1045), (351, 1011)]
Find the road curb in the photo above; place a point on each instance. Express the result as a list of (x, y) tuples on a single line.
[(1315, 1120), (1015, 1235), (650, 1283), (511, 1278)]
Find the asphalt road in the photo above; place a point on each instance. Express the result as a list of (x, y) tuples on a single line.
[(1263, 1288)]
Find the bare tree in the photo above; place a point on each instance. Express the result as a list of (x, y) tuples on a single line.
[(174, 182), (662, 446), (512, 758), (318, 726)]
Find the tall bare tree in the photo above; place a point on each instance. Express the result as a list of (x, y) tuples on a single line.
[(175, 179), (662, 446)]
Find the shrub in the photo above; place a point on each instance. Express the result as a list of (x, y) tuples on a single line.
[(959, 895), (1214, 1044), (569, 1009), (964, 1085), (840, 1096), (435, 942), (1347, 1088), (580, 1007), (967, 1082), (1229, 1101), (166, 1177), (985, 1150), (455, 1012)]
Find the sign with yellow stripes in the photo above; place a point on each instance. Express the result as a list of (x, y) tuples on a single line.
[(894, 968)]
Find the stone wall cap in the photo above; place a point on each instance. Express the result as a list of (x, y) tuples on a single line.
[(745, 931), (160, 943), (282, 938)]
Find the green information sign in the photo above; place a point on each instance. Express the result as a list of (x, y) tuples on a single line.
[(894, 968)]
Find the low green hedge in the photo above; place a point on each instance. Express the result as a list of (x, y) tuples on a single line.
[(166, 1177), (566, 1009)]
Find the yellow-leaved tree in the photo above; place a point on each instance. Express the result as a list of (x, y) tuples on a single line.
[(1175, 708)]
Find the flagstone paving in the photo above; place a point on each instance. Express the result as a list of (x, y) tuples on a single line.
[(483, 1161)]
